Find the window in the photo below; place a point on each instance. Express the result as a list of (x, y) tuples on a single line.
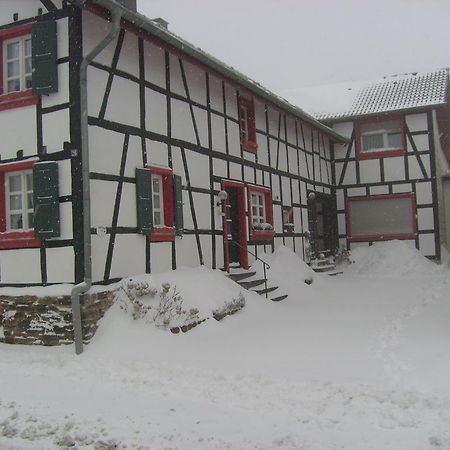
[(16, 206), (158, 200), (163, 204), (17, 64), (258, 209), (381, 217), (288, 219), (16, 70), (380, 138), (260, 213), (247, 125), (19, 200)]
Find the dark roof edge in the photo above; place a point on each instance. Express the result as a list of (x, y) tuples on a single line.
[(412, 109), (146, 24)]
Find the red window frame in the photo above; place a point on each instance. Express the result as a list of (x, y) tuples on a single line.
[(14, 239), (247, 120), (377, 154), (168, 232), (21, 98), (384, 237), (255, 234)]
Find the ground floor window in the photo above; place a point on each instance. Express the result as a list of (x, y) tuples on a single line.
[(162, 204), (260, 213), (16, 205), (381, 217)]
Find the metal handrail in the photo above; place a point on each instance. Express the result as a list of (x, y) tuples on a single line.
[(265, 264)]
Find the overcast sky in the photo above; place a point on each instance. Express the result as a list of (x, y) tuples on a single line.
[(285, 44)]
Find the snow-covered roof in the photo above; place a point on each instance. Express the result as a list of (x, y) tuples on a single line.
[(158, 30), (393, 93)]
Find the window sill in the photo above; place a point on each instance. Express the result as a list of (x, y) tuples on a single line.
[(378, 154), (262, 235), (385, 237), (250, 146), (17, 99), (163, 234), (19, 239)]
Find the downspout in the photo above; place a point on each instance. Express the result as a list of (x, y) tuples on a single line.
[(83, 287)]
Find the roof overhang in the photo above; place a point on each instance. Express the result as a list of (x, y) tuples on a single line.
[(145, 24)]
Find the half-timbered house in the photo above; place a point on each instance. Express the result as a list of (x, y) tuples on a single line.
[(126, 150), (392, 178)]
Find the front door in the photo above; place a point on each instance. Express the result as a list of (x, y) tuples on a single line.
[(322, 223), (234, 225)]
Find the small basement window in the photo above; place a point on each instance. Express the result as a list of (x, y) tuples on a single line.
[(381, 217), (380, 138)]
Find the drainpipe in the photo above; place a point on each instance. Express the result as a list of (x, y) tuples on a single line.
[(83, 287)]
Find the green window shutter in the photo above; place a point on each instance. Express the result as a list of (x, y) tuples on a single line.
[(144, 201), (178, 194), (46, 219), (44, 58)]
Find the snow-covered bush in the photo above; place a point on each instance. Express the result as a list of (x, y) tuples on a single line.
[(231, 306), (170, 310), (342, 255), (163, 307)]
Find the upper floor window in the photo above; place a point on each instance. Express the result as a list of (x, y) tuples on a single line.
[(19, 200), (158, 200), (17, 69), (247, 126), (380, 138)]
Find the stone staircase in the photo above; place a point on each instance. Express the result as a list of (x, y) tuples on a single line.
[(250, 281)]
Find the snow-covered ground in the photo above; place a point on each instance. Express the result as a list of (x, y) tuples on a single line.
[(355, 361)]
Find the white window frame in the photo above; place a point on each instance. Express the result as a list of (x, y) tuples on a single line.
[(24, 211), (160, 195), (385, 135), (22, 74), (254, 203)]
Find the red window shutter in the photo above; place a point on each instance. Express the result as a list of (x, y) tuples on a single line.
[(168, 199), (2, 203)]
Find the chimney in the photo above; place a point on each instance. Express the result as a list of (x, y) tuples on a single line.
[(161, 22), (130, 4)]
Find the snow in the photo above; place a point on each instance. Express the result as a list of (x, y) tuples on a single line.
[(391, 93), (355, 361)]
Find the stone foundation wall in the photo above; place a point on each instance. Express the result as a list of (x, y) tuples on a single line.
[(47, 320)]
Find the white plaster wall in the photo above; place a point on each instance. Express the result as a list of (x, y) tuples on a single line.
[(60, 265), (129, 255), (25, 9), (20, 266), (154, 64), (55, 130), (18, 131), (123, 103), (129, 55)]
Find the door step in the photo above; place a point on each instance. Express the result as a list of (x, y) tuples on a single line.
[(251, 284), (278, 299), (266, 291), (241, 276)]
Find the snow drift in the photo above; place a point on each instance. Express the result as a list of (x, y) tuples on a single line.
[(390, 259)]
